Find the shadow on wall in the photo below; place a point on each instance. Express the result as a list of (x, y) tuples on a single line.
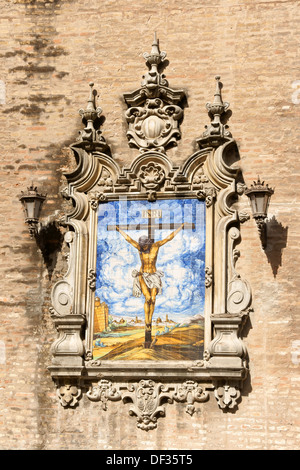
[(276, 242), (49, 241)]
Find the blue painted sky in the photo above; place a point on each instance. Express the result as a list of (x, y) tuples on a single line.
[(182, 259)]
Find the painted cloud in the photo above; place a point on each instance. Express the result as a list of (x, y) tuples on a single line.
[(182, 259)]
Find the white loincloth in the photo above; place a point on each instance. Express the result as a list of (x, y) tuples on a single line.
[(151, 280)]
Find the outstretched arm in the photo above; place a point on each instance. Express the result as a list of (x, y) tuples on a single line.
[(128, 238), (169, 237)]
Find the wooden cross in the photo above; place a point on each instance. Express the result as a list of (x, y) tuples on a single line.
[(151, 226)]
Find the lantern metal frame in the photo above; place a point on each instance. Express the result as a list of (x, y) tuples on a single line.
[(259, 195), (32, 202)]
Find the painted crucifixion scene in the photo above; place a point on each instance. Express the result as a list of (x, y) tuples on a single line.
[(150, 280)]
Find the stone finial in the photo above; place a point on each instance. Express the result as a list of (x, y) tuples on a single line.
[(155, 57), (90, 114), (217, 108), (91, 135), (153, 78), (216, 131)]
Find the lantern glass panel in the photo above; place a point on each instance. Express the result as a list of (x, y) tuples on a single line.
[(30, 208), (260, 199), (37, 208)]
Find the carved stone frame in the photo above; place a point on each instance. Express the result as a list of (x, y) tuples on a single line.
[(209, 174)]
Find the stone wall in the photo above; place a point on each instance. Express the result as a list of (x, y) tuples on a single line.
[(50, 51)]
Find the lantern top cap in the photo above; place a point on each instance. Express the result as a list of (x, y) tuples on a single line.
[(259, 186), (32, 192)]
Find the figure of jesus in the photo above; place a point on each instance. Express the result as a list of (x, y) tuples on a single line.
[(148, 279)]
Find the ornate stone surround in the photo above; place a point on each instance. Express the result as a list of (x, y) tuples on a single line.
[(154, 115)]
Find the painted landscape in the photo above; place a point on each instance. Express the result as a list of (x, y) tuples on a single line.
[(171, 341)]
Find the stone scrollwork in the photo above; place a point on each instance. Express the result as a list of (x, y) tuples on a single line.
[(63, 299), (62, 293), (200, 177), (95, 197), (103, 392), (93, 200), (239, 293), (151, 196), (154, 125), (155, 110), (147, 397), (211, 194), (90, 362), (92, 279), (152, 176), (243, 216), (68, 395), (208, 276), (208, 194), (227, 395), (190, 392)]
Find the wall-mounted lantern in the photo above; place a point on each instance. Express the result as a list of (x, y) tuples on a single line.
[(32, 203), (259, 195)]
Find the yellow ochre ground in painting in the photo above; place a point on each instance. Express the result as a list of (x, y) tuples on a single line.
[(181, 343)]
